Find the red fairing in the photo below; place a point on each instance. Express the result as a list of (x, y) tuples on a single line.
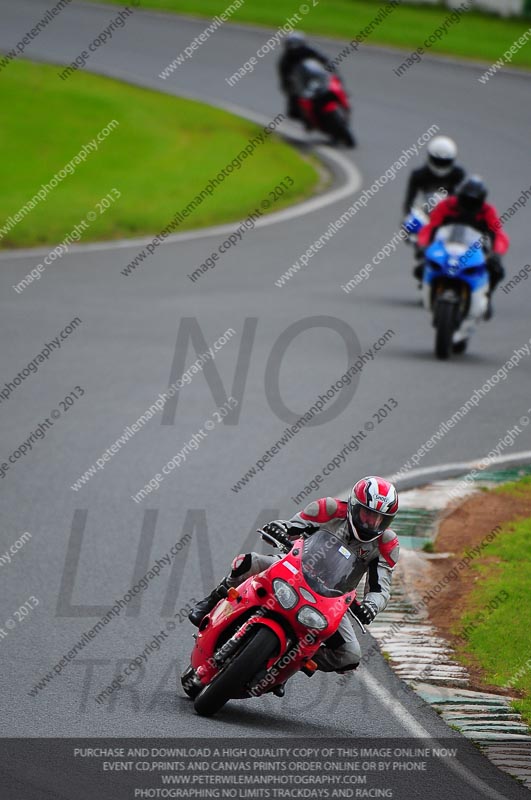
[(338, 89), (323, 515), (307, 107), (335, 97), (448, 209), (386, 548), (249, 608)]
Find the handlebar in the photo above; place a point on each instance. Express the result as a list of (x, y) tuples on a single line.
[(282, 542), (360, 623)]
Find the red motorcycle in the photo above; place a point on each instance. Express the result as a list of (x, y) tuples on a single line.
[(269, 628), (323, 102)]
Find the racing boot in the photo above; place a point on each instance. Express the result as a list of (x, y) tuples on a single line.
[(205, 606), (418, 271)]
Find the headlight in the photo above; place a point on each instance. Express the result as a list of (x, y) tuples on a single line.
[(312, 618), (285, 594)]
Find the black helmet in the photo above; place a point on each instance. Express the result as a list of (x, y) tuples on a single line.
[(294, 40), (471, 194)]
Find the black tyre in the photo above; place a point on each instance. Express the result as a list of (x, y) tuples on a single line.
[(253, 656), (460, 347), (349, 138), (337, 127), (445, 316)]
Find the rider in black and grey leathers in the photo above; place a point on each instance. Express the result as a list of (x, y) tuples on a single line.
[(296, 50), (439, 172)]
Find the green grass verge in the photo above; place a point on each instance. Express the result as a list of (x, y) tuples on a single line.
[(498, 638), (478, 36), (162, 153), (519, 488)]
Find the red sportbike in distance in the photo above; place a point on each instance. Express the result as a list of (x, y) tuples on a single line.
[(268, 628), (323, 101)]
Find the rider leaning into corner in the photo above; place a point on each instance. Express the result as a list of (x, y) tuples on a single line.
[(468, 207), (296, 50), (363, 523)]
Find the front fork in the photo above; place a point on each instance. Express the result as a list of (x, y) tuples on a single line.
[(231, 646)]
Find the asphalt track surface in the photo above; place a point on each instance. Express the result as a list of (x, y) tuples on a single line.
[(122, 356)]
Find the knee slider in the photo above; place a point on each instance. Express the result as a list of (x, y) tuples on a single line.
[(348, 668)]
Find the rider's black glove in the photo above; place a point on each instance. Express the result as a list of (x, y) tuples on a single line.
[(495, 266), (279, 531), (285, 529), (365, 611), (276, 529)]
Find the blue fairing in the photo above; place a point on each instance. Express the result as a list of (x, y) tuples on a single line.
[(470, 267)]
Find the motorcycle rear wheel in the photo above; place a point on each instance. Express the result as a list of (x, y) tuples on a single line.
[(445, 316), (253, 656)]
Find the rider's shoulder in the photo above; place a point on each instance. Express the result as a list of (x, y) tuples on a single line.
[(389, 536), (421, 171), (326, 508), (388, 547)]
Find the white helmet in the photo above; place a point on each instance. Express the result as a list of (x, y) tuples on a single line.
[(442, 152)]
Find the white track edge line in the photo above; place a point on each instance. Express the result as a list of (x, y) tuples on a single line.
[(408, 721), (352, 183), (441, 469)]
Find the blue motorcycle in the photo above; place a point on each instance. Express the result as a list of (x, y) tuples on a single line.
[(455, 285)]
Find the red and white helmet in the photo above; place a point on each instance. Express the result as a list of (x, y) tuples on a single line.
[(372, 505)]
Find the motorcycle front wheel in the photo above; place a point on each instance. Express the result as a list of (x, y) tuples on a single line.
[(445, 324), (239, 672), (339, 129)]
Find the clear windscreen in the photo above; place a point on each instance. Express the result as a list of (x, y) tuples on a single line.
[(459, 234), (329, 566), (464, 243)]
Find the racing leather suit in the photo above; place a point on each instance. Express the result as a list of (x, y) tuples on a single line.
[(289, 60), (486, 220), (376, 561), (423, 180)]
